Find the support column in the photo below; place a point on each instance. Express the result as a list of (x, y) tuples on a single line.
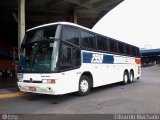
[(75, 16), (21, 21)]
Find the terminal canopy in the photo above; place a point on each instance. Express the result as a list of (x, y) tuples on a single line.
[(83, 12)]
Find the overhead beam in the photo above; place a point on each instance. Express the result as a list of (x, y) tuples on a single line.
[(109, 7), (84, 1), (105, 3), (78, 2), (44, 13), (53, 3), (87, 11)]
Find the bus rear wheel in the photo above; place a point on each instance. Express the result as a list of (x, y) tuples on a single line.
[(84, 85), (125, 78), (131, 77)]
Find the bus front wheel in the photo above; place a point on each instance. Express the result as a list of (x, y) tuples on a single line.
[(84, 85)]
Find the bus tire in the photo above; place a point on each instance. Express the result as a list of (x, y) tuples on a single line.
[(125, 78), (84, 86), (131, 77)]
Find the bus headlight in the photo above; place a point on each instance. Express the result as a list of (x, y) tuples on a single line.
[(45, 81), (49, 81), (20, 77)]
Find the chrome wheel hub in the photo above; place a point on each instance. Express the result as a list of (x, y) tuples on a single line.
[(84, 86)]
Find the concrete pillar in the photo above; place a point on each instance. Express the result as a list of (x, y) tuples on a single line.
[(75, 16), (21, 21)]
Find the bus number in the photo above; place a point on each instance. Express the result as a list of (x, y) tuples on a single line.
[(97, 58)]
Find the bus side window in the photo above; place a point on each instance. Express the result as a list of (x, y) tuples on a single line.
[(134, 51), (121, 48), (137, 52), (112, 46), (85, 39), (71, 35), (128, 50), (76, 57), (65, 57), (88, 40), (102, 43), (92, 42)]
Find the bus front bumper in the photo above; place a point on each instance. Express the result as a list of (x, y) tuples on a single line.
[(37, 88)]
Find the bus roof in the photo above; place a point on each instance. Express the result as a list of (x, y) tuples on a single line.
[(73, 24), (60, 23)]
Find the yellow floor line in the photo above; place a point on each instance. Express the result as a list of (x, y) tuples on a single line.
[(12, 95)]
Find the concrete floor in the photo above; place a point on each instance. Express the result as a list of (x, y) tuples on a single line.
[(141, 96)]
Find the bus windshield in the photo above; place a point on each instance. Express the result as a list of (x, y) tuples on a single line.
[(39, 51), (40, 34)]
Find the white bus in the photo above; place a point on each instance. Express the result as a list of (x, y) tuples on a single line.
[(62, 57)]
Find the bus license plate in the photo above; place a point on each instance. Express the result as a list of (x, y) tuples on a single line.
[(32, 88)]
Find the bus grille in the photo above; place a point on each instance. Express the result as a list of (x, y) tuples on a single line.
[(28, 81)]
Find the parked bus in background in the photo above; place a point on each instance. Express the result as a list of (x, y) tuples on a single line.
[(62, 57)]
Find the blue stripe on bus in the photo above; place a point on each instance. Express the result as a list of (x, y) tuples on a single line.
[(108, 59), (88, 58)]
